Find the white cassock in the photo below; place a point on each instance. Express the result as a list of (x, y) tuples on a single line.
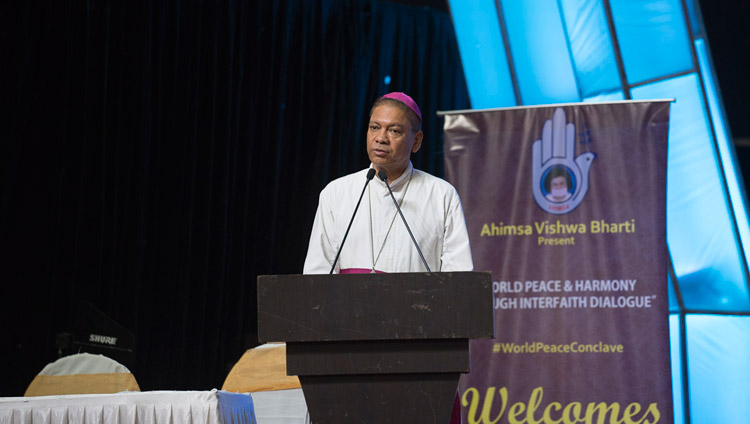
[(378, 238)]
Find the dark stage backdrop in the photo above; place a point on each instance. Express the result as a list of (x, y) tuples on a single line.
[(157, 158)]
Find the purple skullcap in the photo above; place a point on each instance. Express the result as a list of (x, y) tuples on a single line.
[(405, 99)]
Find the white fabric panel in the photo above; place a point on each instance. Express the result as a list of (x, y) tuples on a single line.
[(84, 363), (214, 407), (281, 407)]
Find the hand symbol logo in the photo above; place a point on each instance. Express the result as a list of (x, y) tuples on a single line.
[(560, 180)]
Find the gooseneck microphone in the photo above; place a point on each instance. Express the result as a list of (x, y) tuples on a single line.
[(383, 176), (370, 175)]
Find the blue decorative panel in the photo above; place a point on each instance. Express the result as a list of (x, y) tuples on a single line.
[(719, 369), (653, 38), (695, 26), (591, 46), (540, 52), (724, 144), (674, 305), (480, 44), (675, 352), (606, 97), (699, 231)]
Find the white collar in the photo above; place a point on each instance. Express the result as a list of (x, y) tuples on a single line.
[(399, 182)]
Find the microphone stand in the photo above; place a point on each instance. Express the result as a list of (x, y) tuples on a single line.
[(370, 175)]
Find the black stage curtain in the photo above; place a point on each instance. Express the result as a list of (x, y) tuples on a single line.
[(157, 158)]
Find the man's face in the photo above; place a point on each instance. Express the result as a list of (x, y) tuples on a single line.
[(391, 140), (559, 183)]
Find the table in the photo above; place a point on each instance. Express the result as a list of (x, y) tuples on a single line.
[(158, 407)]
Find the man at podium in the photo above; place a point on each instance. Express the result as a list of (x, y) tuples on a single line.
[(376, 242)]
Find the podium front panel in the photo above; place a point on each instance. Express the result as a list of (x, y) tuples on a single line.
[(397, 306), (378, 357)]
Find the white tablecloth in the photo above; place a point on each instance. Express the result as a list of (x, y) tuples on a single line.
[(214, 407)]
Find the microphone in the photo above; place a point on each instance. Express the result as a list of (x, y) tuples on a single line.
[(383, 176), (370, 175)]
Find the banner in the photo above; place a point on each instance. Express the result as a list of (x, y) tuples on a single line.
[(566, 205)]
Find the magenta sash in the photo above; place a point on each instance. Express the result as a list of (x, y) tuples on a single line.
[(359, 271)]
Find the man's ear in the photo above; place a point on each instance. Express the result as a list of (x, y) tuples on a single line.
[(417, 141)]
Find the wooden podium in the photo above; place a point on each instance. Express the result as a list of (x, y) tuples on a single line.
[(377, 348)]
